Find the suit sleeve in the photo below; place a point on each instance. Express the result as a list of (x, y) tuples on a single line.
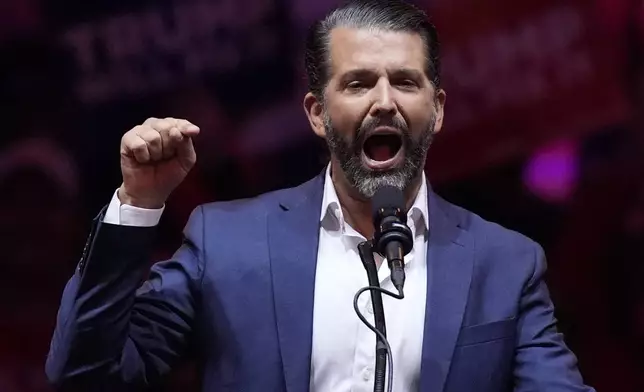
[(543, 361), (113, 331)]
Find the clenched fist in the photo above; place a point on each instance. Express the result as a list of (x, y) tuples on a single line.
[(155, 158)]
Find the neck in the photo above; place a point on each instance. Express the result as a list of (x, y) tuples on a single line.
[(356, 208)]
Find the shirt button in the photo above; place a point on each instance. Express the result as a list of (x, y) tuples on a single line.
[(370, 308), (366, 374)]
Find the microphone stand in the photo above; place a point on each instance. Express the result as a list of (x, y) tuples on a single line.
[(365, 249)]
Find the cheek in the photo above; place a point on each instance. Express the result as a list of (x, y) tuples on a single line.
[(418, 114), (346, 119)]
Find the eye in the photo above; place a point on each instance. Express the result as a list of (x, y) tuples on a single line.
[(355, 85), (407, 84)]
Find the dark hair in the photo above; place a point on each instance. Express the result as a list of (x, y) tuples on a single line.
[(392, 15)]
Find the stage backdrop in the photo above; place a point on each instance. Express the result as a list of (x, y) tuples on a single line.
[(519, 73)]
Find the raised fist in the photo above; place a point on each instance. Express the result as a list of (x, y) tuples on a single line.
[(156, 156)]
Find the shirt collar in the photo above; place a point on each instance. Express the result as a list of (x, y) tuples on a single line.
[(332, 218)]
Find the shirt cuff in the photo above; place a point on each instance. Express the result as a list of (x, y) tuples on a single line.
[(127, 215)]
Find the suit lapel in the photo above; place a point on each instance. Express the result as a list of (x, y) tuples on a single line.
[(450, 256), (293, 242)]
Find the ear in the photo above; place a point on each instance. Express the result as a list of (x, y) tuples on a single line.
[(314, 111), (439, 102)]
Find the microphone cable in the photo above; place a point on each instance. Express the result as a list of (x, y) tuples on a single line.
[(380, 335)]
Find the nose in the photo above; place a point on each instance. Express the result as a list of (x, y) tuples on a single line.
[(384, 103)]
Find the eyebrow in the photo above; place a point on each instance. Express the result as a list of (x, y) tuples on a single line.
[(407, 72), (361, 73)]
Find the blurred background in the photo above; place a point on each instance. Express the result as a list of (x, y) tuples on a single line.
[(544, 134)]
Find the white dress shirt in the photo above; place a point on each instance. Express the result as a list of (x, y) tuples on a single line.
[(343, 356), (343, 353)]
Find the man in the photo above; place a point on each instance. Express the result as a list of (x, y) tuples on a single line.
[(261, 291)]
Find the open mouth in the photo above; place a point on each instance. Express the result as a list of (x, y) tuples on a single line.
[(382, 150)]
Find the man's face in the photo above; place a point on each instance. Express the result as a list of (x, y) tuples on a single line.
[(380, 110)]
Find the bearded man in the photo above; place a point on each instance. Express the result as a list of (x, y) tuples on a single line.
[(261, 291)]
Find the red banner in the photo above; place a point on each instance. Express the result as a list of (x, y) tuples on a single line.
[(519, 73)]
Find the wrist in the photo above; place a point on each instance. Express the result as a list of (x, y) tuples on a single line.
[(147, 203)]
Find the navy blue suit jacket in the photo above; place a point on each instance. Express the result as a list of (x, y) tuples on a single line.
[(238, 296)]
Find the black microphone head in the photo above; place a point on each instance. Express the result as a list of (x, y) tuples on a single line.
[(388, 199), (392, 237)]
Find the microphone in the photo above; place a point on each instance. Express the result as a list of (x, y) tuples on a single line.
[(392, 238)]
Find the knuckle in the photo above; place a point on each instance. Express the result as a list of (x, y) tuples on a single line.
[(154, 138), (131, 132), (137, 145), (147, 134), (176, 137), (140, 130), (162, 125)]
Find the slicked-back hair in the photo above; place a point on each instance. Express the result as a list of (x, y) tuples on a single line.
[(383, 15)]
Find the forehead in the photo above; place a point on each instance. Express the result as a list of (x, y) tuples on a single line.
[(356, 48)]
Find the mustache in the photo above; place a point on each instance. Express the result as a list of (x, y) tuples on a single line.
[(374, 122)]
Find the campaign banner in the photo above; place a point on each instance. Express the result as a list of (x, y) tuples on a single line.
[(518, 74), (154, 47)]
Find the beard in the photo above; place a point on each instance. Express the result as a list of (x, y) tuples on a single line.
[(367, 181)]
